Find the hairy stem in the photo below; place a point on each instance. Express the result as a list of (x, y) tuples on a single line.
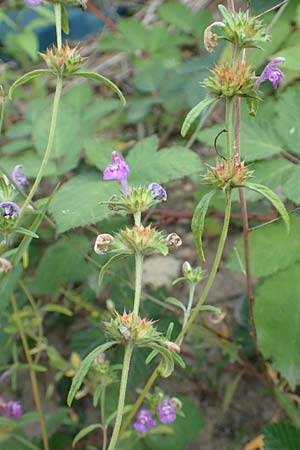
[(57, 12), (122, 394), (190, 304), (33, 379), (138, 284), (229, 118), (104, 427), (49, 144), (195, 312)]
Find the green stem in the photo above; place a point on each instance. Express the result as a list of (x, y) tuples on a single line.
[(138, 284), (137, 218), (104, 428), (229, 117), (122, 394), (33, 379), (49, 144), (3, 100), (57, 12), (196, 310)]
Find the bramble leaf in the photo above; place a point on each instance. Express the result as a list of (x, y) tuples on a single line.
[(281, 436)]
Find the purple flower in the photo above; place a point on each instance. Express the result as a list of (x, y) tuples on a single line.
[(118, 170), (166, 411), (19, 178), (271, 73), (33, 3), (158, 192), (14, 409), (144, 421), (10, 409), (9, 208)]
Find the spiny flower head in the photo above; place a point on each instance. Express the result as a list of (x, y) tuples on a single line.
[(118, 170), (18, 177), (62, 61), (220, 176), (144, 421), (166, 411), (271, 73), (242, 30), (127, 327), (226, 81), (140, 239)]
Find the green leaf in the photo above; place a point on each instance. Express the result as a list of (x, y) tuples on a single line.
[(51, 307), (226, 14), (76, 203), (148, 164), (84, 367), (64, 260), (277, 318), (287, 108), (281, 436), (27, 40), (107, 266), (273, 198), (290, 186), (64, 20), (27, 77), (176, 302), (270, 248), (98, 152), (133, 33), (100, 79), (194, 113), (26, 232), (199, 220), (84, 432), (179, 15)]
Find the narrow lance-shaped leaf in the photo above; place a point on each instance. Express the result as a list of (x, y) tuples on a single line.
[(198, 222), (273, 198), (84, 432), (84, 367), (27, 77), (64, 20), (106, 266), (101, 79), (226, 14), (194, 113)]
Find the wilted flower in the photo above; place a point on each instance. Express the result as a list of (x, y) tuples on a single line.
[(172, 347), (271, 73), (33, 3), (18, 177), (9, 209), (102, 243), (144, 421), (118, 170), (173, 240), (5, 266), (166, 411), (158, 192)]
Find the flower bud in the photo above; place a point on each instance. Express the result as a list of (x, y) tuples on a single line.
[(102, 243), (158, 192), (172, 347), (176, 402), (173, 240), (186, 267)]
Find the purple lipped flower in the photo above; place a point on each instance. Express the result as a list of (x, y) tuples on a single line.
[(9, 208), (166, 411), (18, 177), (14, 409), (144, 421), (33, 3), (271, 73), (158, 192), (118, 170)]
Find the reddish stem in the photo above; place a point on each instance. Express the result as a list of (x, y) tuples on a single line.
[(107, 20)]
